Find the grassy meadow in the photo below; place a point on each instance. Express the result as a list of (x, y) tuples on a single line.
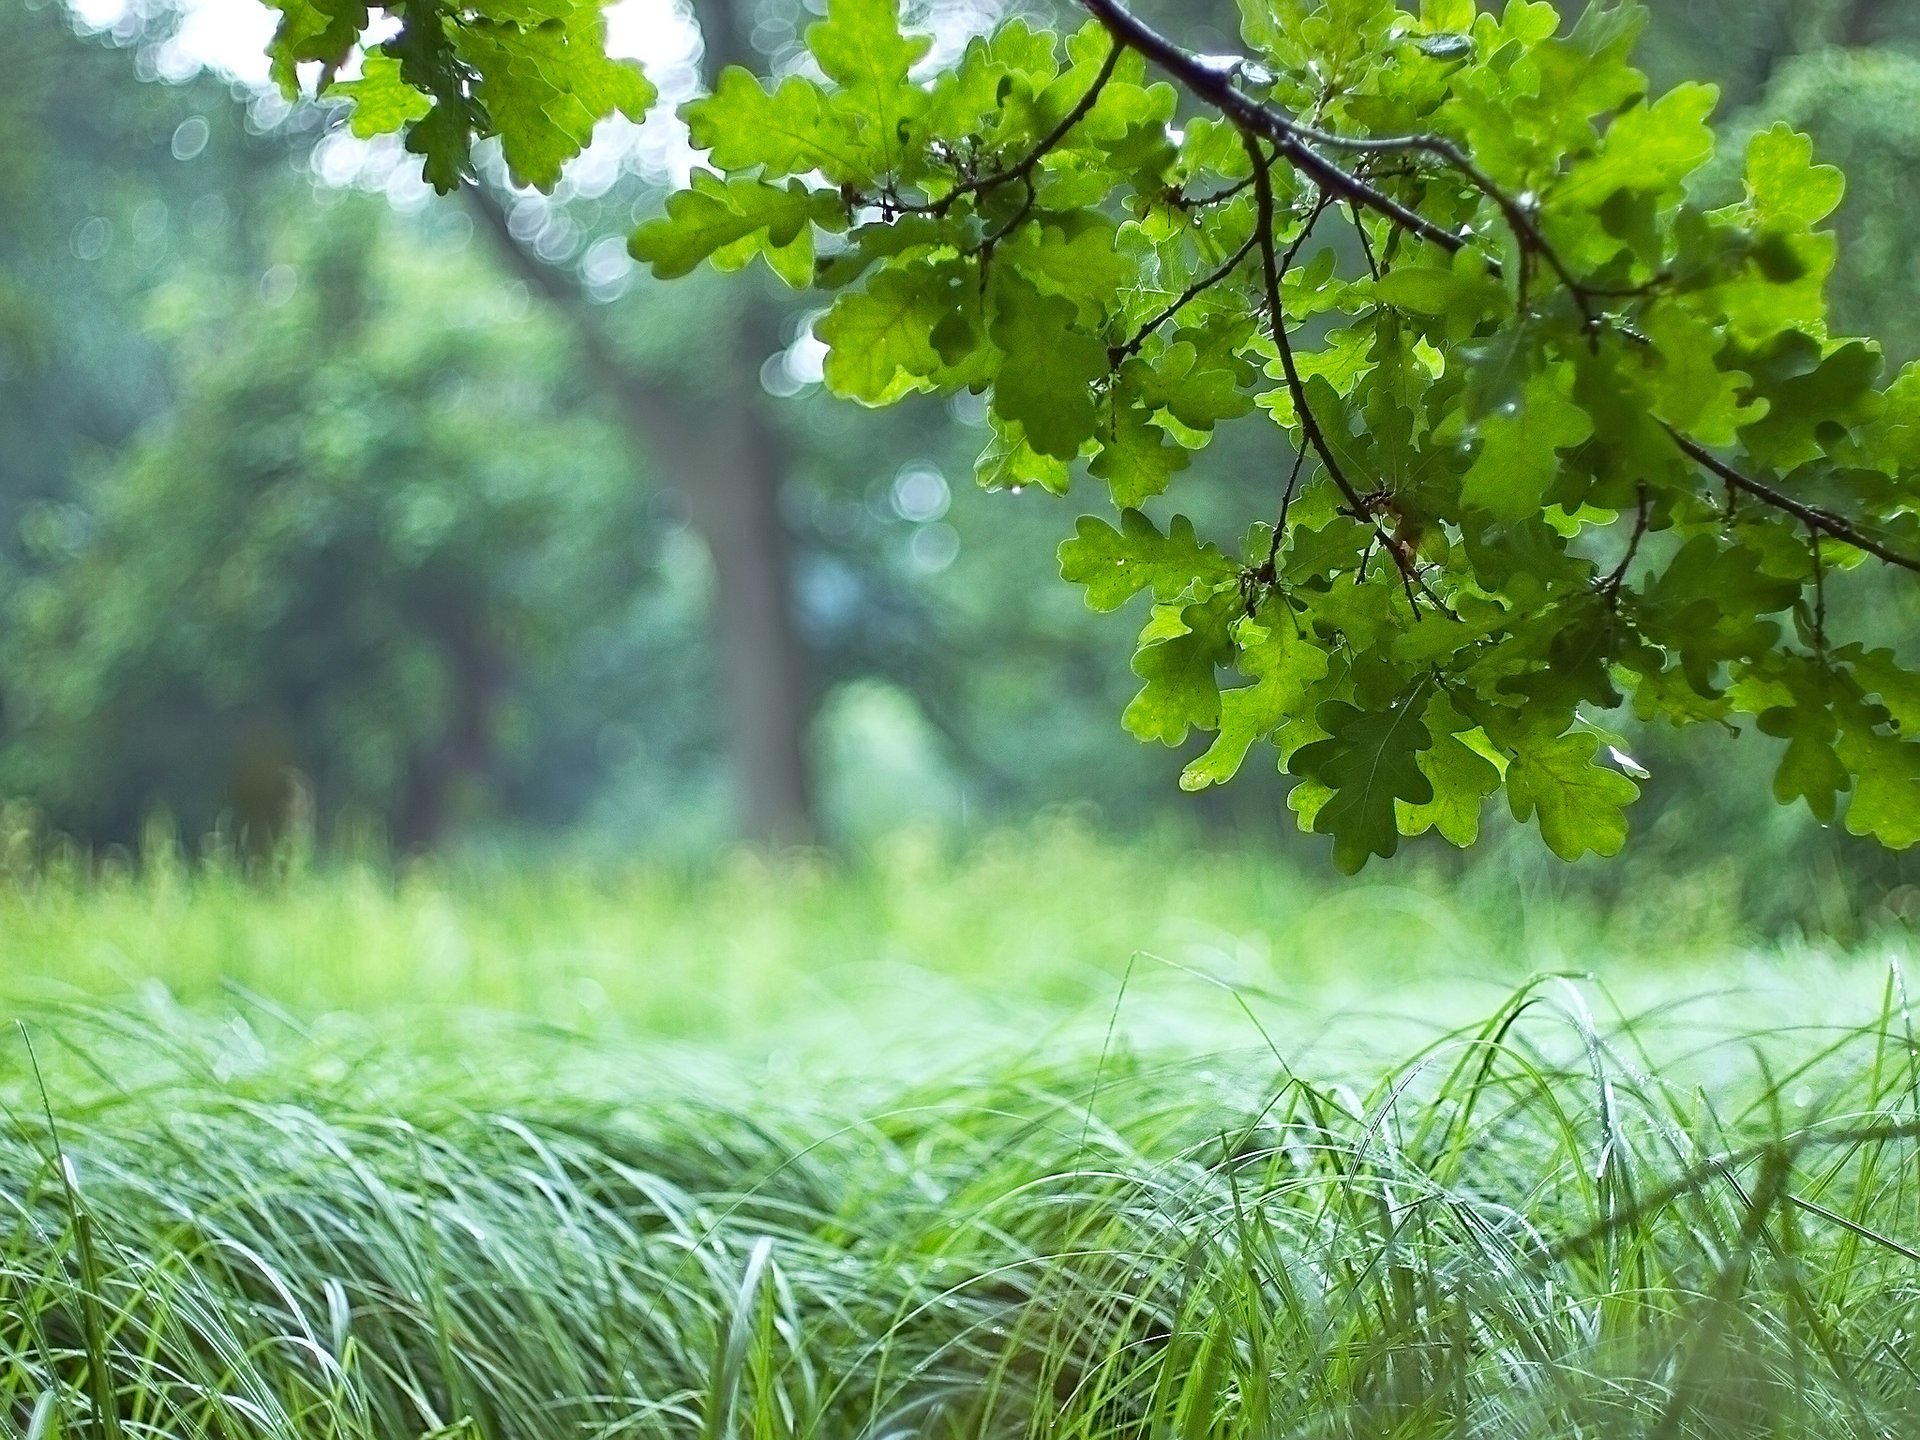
[(1044, 1136)]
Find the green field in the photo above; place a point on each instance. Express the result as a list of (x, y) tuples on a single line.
[(1050, 1137)]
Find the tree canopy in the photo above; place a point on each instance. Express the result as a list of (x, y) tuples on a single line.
[(1559, 431), (359, 526)]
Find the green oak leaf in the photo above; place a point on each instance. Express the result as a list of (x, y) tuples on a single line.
[(994, 80), (1886, 788), (1135, 458), (1080, 262), (1489, 446), (789, 130), (1179, 651), (1047, 376), (1284, 666), (1346, 357), (534, 73), (443, 139), (1448, 16), (1580, 805), (323, 31), (1787, 190), (1462, 774), (1520, 441), (860, 44), (1463, 293), (1370, 761), (860, 47), (1809, 398), (1651, 148), (1008, 462), (1810, 768), (1115, 565), (714, 215), (1197, 388), (880, 340), (1692, 392), (383, 101), (1879, 672), (544, 84)]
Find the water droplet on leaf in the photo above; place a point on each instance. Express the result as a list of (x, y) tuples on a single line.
[(1445, 47)]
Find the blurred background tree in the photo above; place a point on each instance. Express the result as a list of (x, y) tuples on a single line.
[(328, 559), (537, 548)]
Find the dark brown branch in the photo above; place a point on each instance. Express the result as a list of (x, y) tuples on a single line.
[(1366, 241), (1610, 587), (1277, 320), (1257, 581), (1522, 224), (1819, 593), (1218, 197), (1823, 522), (1215, 85), (1294, 142), (1294, 139), (1286, 502)]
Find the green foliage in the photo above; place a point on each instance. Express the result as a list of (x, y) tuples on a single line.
[(731, 221), (1578, 803), (1556, 433), (1863, 109), (534, 73), (338, 559)]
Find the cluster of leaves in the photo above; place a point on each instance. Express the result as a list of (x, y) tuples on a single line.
[(535, 73), (1554, 432)]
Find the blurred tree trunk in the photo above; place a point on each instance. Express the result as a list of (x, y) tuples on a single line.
[(1861, 23), (770, 677), (477, 675), (723, 452)]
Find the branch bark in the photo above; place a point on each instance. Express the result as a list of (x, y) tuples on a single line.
[(1823, 522)]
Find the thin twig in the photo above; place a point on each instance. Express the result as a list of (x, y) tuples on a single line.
[(1216, 87), (1268, 573), (1180, 201), (1294, 141), (1186, 298), (1286, 501), (1610, 587), (1273, 269), (1819, 593), (1050, 142), (1366, 242), (1812, 516), (1277, 320)]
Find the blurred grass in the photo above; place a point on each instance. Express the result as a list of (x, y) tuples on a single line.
[(1018, 927), (1047, 1136)]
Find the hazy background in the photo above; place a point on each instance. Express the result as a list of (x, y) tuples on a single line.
[(432, 520)]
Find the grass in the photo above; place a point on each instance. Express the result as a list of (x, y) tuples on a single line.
[(1036, 922), (927, 1149)]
